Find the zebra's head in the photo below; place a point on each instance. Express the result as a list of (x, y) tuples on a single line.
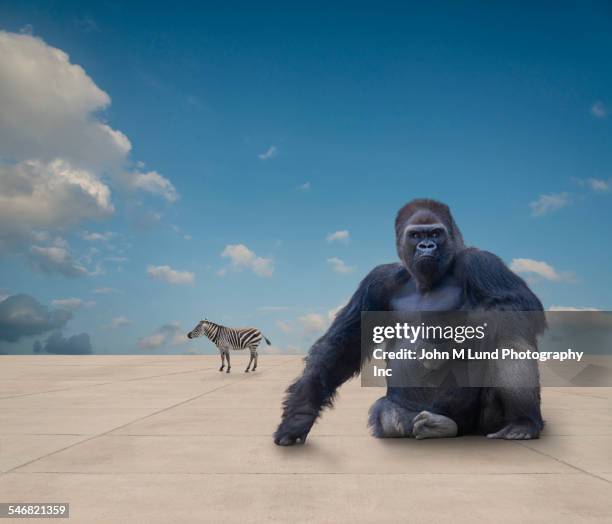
[(199, 330)]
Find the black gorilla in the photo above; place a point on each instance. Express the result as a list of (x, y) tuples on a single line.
[(437, 273)]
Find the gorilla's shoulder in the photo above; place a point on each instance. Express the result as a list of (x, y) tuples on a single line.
[(386, 275), (379, 284), (490, 284), (384, 272)]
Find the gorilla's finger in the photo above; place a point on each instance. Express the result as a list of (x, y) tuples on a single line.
[(416, 428), (284, 441), (422, 416)]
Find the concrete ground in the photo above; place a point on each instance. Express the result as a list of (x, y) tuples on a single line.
[(170, 439)]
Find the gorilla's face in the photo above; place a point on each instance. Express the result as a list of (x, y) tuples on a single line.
[(426, 247)]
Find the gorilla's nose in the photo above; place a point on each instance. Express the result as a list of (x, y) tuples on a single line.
[(426, 246)]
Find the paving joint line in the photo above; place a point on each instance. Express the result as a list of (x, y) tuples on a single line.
[(560, 461), (92, 437), (104, 383)]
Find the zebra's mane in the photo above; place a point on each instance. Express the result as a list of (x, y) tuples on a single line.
[(227, 327)]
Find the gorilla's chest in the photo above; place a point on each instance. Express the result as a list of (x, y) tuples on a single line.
[(445, 297)]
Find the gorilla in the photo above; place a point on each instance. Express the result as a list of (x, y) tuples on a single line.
[(436, 272)]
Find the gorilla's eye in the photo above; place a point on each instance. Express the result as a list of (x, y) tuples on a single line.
[(414, 235)]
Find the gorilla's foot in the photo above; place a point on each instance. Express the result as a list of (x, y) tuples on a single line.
[(391, 423), (430, 425), (388, 420), (516, 432)]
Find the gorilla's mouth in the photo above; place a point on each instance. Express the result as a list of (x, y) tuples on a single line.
[(426, 264), (426, 259)]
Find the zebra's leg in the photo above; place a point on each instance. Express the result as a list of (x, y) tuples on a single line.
[(250, 360), (222, 360), (227, 357), (255, 363)]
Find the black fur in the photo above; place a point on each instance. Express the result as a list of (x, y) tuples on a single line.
[(486, 285)]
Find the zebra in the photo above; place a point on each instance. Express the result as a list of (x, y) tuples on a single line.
[(226, 338)]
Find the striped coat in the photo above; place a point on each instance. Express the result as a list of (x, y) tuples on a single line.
[(226, 338)]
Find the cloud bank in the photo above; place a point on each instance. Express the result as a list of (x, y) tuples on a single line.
[(57, 344), (540, 269), (242, 257), (22, 316), (172, 276)]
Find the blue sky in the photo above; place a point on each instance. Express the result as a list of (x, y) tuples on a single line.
[(271, 127)]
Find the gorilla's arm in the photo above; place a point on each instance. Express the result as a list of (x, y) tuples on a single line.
[(515, 385), (332, 360)]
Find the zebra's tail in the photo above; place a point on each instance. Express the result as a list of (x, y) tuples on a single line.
[(267, 341)]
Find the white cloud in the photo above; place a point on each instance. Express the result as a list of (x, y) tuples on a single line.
[(271, 152), (167, 335), (277, 350), (118, 260), (600, 186), (339, 266), (56, 260), (59, 157), (242, 257), (72, 303), (152, 182), (180, 232), (314, 322), (118, 322), (172, 276), (599, 110), (304, 187), (570, 308), (539, 268), (151, 341), (105, 290), (285, 327), (549, 203), (97, 237), (338, 236), (331, 314)]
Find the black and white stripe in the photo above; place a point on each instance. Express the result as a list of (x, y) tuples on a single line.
[(226, 338)]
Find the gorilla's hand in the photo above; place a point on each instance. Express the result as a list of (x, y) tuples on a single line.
[(294, 428)]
